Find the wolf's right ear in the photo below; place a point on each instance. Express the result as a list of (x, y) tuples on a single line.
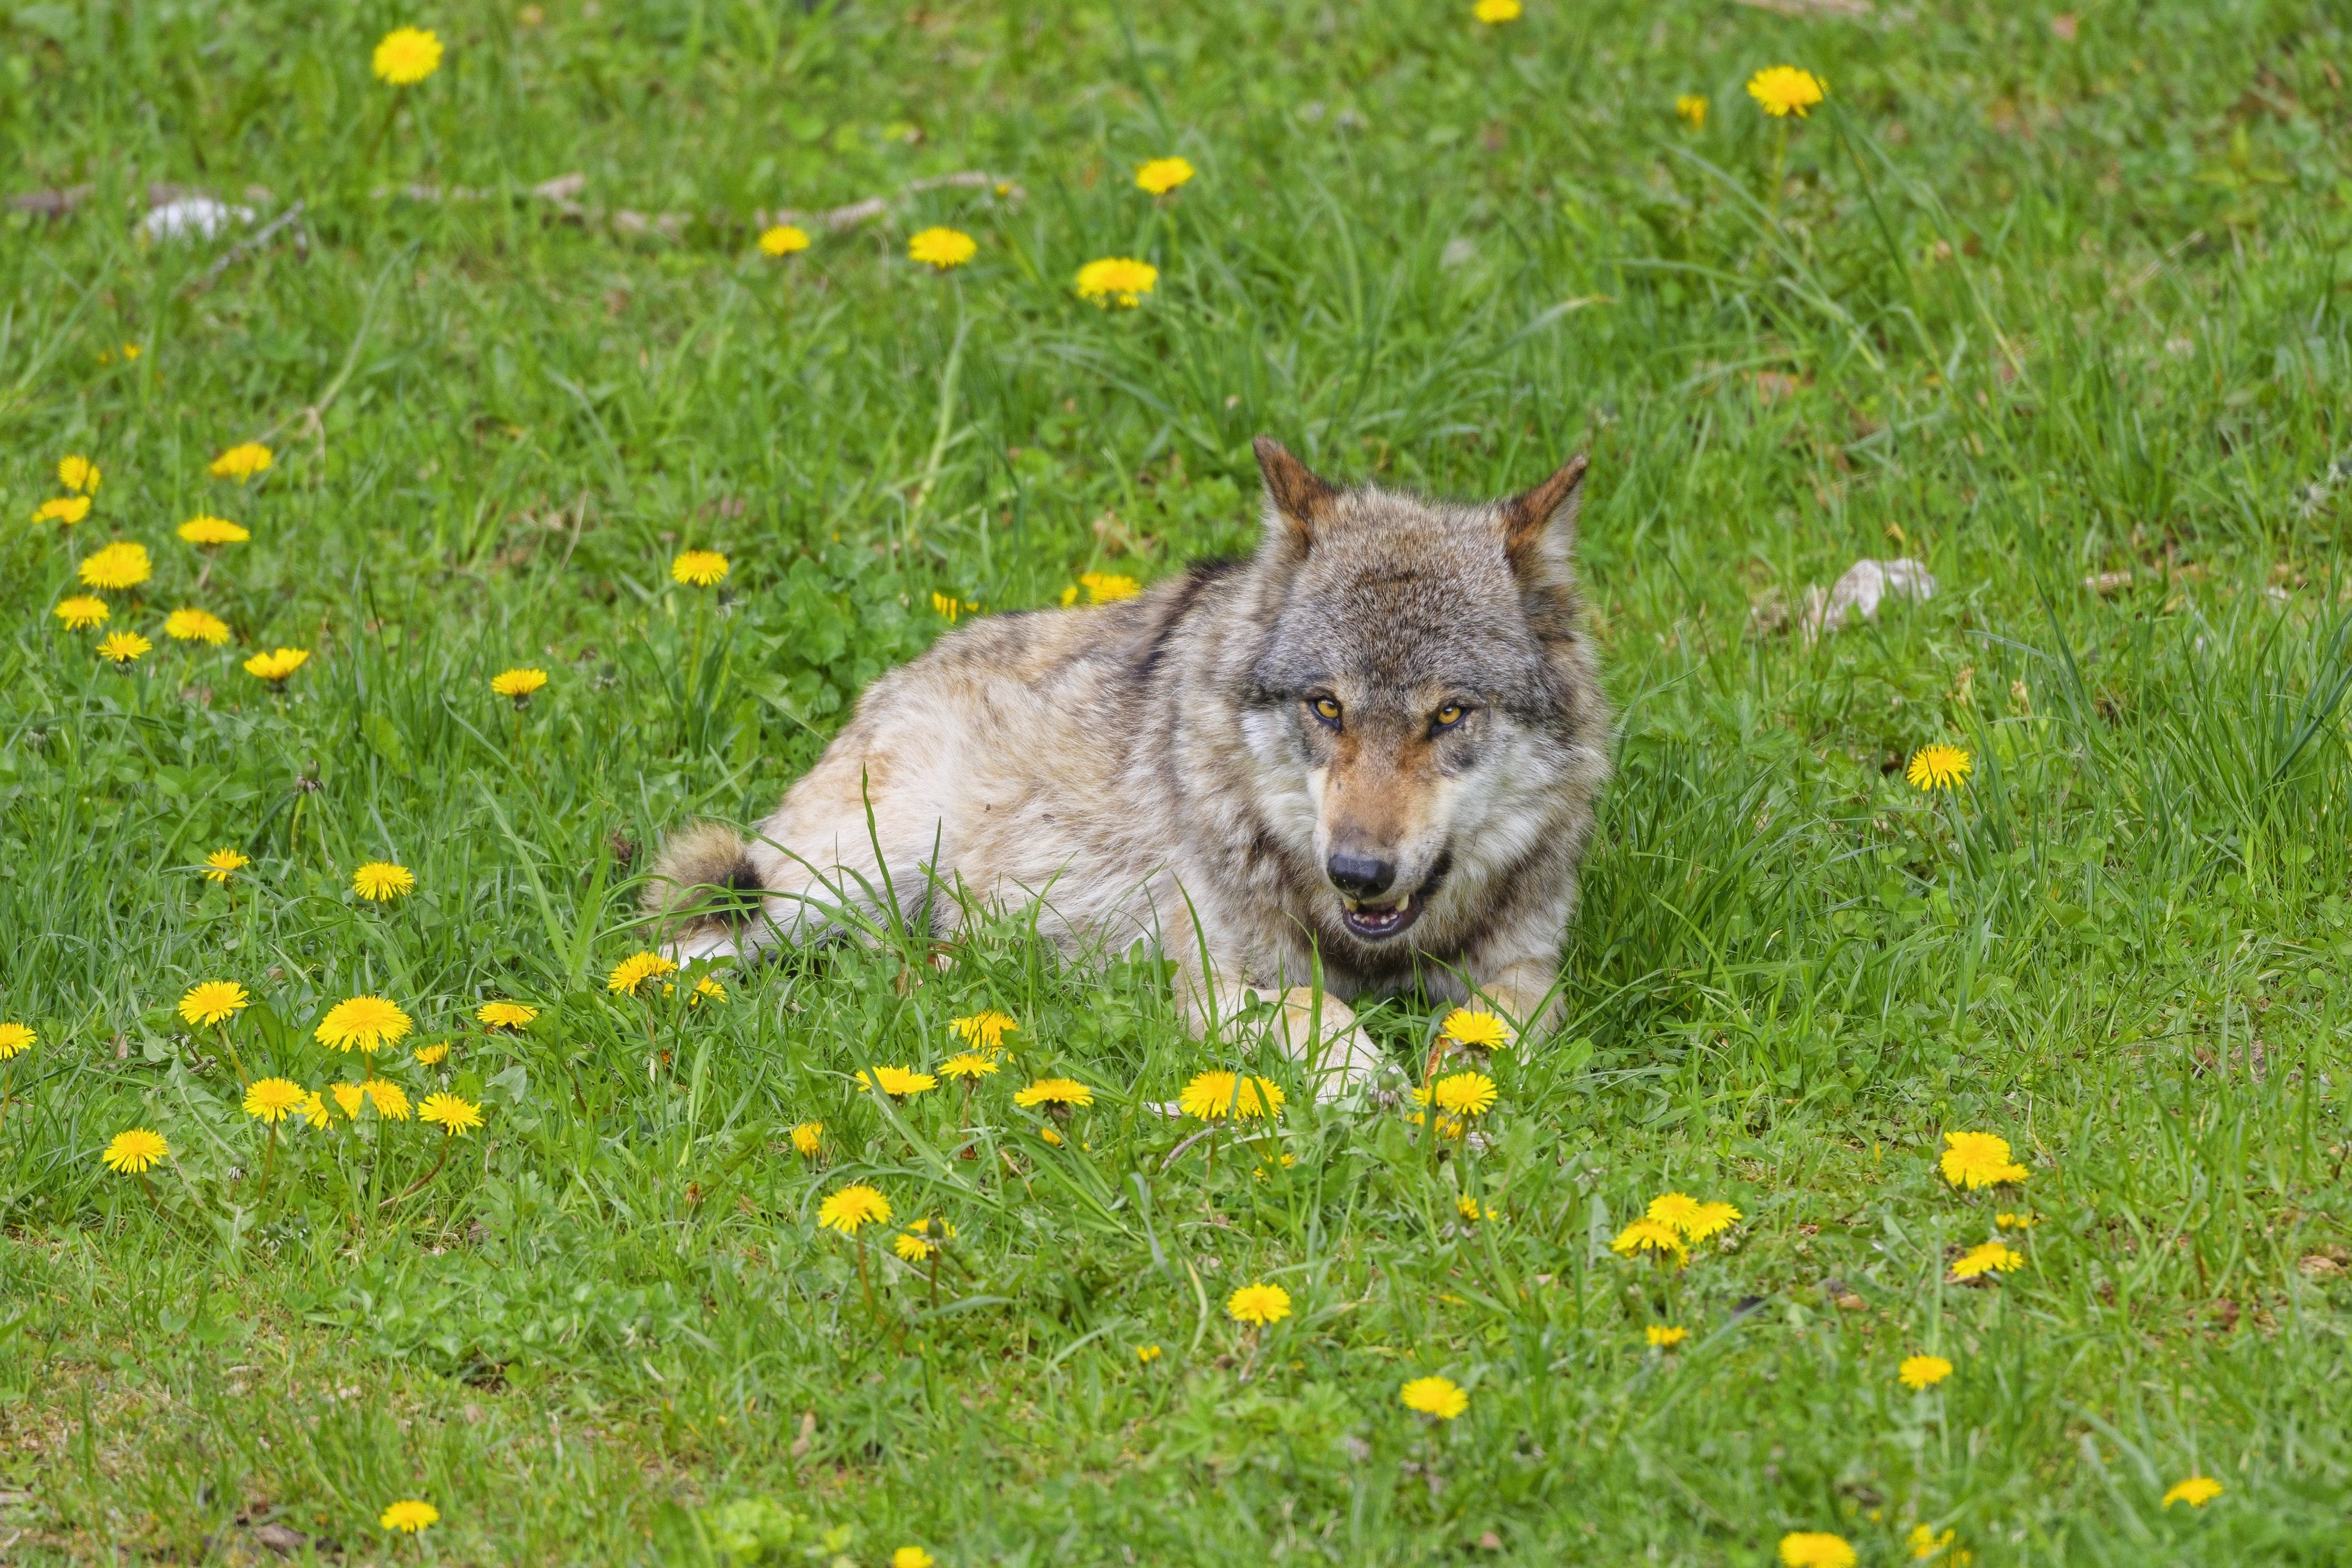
[(1298, 502)]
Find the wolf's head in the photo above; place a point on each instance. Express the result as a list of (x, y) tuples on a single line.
[(1421, 689)]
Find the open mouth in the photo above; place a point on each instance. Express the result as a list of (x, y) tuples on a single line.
[(1378, 925)]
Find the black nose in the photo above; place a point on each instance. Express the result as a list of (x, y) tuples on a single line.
[(1360, 876)]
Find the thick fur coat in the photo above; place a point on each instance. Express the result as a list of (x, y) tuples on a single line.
[(1374, 747)]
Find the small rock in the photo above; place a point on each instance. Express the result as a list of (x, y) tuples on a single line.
[(192, 217), (1858, 594)]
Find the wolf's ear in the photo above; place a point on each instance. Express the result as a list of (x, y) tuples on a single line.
[(1298, 502), (1539, 525)]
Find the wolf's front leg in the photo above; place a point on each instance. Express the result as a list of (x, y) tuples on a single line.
[(1524, 990), (1322, 1035)]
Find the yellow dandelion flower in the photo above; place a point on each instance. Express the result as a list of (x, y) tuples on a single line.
[(920, 1242), (1464, 1094), (1920, 1371), (2016, 1221), (1938, 766), (898, 1082), (1482, 1030), (985, 1030), (1212, 1095), (947, 606), (381, 881), (1978, 1159), (313, 1110), (349, 1097), (942, 248), (80, 612), (1675, 1208), (636, 971), (1117, 280), (699, 568), (1055, 1091), (1647, 1235), (196, 626), (207, 531), (76, 472), (1691, 109), (911, 1557), (213, 1002), (135, 1152), (1105, 587), (123, 647), (277, 666), (1467, 1206), (119, 565), (1784, 90), (852, 1207), (434, 1055), (16, 1038), (220, 863), (410, 1514), (1258, 1303), (1664, 1338), (65, 510), (706, 989), (1146, 1353), (1052, 1136), (783, 240), (453, 1116), (1708, 1220), (362, 1023), (808, 1137), (968, 1064), (1924, 1542), (242, 461), (271, 1100), (1992, 1258), (391, 1100), (505, 1015), (1162, 175), (1815, 1548), (2196, 1492), (1438, 1397), (1494, 13), (406, 56), (518, 683)]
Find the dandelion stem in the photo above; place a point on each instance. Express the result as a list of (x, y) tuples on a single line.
[(866, 1281), (422, 1182), (243, 1078)]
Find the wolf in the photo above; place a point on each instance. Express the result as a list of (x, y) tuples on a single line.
[(1363, 759)]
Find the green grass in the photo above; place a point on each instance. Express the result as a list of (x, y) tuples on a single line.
[(2028, 308)]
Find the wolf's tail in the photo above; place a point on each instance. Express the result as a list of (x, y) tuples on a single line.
[(703, 881)]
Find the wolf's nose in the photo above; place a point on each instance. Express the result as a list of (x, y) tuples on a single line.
[(1360, 876)]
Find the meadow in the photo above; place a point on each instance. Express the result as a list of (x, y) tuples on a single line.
[(2052, 303)]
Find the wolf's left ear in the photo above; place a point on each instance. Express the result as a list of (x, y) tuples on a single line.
[(1539, 525)]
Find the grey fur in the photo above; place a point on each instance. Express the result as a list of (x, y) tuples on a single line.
[(1138, 764)]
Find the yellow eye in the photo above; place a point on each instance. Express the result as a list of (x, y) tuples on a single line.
[(1327, 708), (1451, 714)]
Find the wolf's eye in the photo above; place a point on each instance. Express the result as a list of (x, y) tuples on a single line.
[(1327, 709), (1450, 714)]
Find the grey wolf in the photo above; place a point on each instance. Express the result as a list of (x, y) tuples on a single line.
[(1369, 753)]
